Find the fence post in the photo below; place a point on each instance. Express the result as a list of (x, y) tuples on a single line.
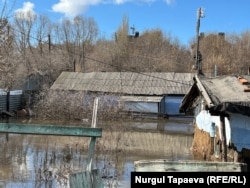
[(90, 178)]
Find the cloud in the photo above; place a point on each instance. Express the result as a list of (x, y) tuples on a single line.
[(170, 2), (71, 8), (26, 12), (121, 1)]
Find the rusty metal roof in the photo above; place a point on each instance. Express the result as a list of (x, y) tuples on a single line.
[(154, 83)]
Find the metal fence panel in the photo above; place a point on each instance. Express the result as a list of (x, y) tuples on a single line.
[(14, 100)]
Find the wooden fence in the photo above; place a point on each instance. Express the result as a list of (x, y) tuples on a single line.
[(87, 179)]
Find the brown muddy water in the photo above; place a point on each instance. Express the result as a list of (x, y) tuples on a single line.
[(35, 161)]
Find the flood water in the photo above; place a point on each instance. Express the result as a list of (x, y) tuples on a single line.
[(35, 161)]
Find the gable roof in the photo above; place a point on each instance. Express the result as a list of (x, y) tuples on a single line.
[(222, 94), (145, 83)]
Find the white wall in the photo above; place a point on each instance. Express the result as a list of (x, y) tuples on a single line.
[(237, 128), (142, 106), (204, 122)]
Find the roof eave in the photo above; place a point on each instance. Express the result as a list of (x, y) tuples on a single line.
[(204, 92)]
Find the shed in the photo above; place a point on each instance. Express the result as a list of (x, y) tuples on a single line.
[(222, 112), (149, 92)]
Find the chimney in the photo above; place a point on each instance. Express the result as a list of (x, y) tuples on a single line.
[(215, 70), (137, 34), (202, 35), (221, 35)]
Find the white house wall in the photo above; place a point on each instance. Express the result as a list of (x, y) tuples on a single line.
[(141, 107), (237, 130), (240, 126), (204, 122)]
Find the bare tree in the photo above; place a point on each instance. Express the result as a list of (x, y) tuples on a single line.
[(120, 55), (76, 38), (24, 23), (7, 65), (240, 52), (212, 49), (228, 52), (43, 31), (150, 51)]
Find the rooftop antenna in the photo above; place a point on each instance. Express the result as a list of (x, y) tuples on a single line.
[(198, 56), (133, 29)]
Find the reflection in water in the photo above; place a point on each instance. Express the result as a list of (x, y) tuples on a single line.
[(46, 161)]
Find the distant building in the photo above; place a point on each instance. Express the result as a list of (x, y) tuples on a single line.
[(146, 92)]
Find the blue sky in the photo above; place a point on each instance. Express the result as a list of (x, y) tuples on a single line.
[(175, 17)]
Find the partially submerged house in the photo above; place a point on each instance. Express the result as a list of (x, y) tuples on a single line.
[(222, 117), (157, 93)]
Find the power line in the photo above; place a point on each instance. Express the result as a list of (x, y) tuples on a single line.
[(102, 62)]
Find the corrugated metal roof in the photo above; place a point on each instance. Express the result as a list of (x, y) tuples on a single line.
[(155, 83)]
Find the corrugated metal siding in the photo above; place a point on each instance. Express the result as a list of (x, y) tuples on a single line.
[(3, 101), (172, 104), (14, 100), (240, 129)]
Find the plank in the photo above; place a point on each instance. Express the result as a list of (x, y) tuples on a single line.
[(93, 139), (91, 153), (86, 179), (18, 128), (204, 92), (79, 180), (94, 116), (4, 112), (90, 178)]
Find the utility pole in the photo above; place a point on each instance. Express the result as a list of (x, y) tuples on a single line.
[(133, 29), (198, 56)]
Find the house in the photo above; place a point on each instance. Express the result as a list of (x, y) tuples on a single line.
[(158, 93), (221, 106)]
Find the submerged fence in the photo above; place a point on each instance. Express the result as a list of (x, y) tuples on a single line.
[(10, 101), (89, 178)]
